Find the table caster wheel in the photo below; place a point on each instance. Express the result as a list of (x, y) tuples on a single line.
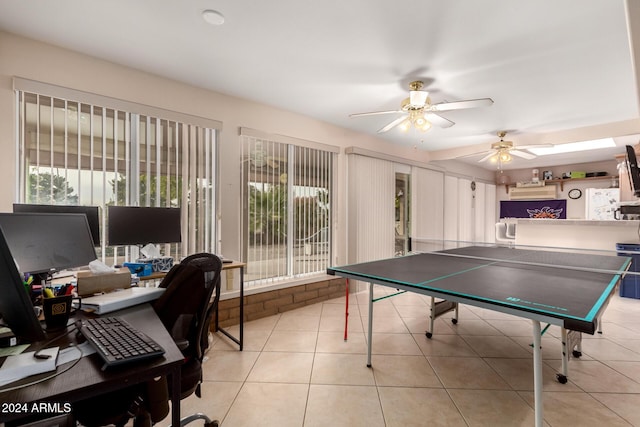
[(454, 321), (577, 353), (429, 334), (562, 379)]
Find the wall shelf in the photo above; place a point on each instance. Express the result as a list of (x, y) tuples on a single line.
[(561, 181)]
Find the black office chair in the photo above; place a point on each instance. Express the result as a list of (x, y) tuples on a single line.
[(186, 309), (188, 319)]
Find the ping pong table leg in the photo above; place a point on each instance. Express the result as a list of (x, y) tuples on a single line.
[(537, 373), (456, 315), (370, 329), (599, 322), (571, 346), (577, 351), (562, 377), (432, 317), (438, 308)]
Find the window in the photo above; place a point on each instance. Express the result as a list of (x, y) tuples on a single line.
[(82, 152), (287, 191)]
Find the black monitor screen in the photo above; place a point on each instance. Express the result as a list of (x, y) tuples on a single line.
[(48, 242), (92, 213), (15, 305), (132, 225), (633, 170)]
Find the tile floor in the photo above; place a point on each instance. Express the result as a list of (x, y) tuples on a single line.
[(297, 370)]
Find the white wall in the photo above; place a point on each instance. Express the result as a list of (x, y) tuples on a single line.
[(49, 64), (575, 207)]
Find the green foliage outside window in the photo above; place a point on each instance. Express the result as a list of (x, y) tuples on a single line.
[(174, 183), (48, 189)]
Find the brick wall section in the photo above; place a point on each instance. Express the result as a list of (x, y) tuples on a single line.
[(272, 302)]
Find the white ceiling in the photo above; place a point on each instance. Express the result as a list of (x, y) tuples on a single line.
[(557, 70)]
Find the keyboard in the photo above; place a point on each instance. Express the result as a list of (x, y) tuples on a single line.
[(117, 342)]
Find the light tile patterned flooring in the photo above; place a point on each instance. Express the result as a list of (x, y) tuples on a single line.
[(296, 370)]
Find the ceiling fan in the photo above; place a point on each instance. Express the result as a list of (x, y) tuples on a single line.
[(502, 151), (418, 111)]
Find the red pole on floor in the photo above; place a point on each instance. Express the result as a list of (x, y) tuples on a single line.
[(346, 309)]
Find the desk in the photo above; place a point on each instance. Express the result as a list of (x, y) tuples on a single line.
[(513, 281), (229, 266), (158, 275), (86, 379)]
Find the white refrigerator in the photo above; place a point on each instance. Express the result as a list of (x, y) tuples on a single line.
[(601, 203)]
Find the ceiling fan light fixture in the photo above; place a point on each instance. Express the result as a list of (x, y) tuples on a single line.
[(505, 157), (405, 125), (416, 119), (418, 98), (426, 126), (502, 156)]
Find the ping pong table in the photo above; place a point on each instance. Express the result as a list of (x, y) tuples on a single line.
[(570, 290)]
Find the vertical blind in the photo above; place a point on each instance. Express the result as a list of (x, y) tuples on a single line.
[(287, 191), (427, 208), (371, 208), (74, 152)]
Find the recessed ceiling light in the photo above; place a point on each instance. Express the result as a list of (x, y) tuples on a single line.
[(213, 17), (574, 146)]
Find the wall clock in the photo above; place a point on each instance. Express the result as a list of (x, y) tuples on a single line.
[(575, 193)]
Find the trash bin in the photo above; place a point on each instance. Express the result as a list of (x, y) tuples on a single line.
[(630, 285)]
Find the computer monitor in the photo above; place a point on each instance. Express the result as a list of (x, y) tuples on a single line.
[(133, 225), (15, 304), (48, 242), (92, 213), (633, 170)]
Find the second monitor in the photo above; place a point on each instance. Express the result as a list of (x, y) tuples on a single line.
[(133, 225), (92, 213)]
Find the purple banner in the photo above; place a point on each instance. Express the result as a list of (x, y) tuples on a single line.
[(552, 209)]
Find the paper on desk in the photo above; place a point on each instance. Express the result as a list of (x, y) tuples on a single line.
[(26, 365)]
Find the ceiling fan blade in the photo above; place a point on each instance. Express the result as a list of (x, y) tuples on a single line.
[(523, 154), (487, 157), (374, 113), (459, 105), (393, 124), (477, 153), (439, 120)]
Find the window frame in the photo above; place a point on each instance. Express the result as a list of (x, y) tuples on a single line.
[(193, 139)]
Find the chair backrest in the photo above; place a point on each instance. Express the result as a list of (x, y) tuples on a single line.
[(192, 293), (501, 233)]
